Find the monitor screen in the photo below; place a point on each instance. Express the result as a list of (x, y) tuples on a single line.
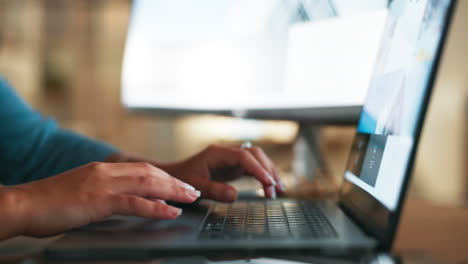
[(389, 120), (214, 55)]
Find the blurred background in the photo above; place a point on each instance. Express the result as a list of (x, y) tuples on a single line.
[(64, 57)]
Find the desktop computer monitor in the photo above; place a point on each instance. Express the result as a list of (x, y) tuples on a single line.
[(274, 59)]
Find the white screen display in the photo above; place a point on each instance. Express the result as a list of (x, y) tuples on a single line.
[(388, 123), (244, 54)]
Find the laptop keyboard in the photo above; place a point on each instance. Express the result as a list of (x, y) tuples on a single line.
[(265, 220)]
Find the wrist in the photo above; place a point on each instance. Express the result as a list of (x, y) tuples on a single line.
[(13, 207)]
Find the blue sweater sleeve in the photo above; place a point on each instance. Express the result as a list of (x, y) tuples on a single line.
[(33, 147)]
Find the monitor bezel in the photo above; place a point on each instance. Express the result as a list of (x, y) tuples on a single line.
[(376, 219)]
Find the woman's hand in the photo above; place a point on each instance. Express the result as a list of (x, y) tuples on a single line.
[(90, 193), (217, 163)]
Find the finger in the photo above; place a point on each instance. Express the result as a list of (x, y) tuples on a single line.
[(121, 168), (147, 180), (282, 186), (140, 169), (138, 206), (222, 156), (218, 191), (267, 164), (270, 192), (254, 167), (156, 186), (156, 200)]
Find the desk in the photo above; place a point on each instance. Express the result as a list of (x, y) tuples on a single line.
[(437, 231)]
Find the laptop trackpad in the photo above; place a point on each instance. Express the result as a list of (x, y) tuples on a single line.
[(120, 227)]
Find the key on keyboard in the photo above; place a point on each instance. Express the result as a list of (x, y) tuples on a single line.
[(266, 219)]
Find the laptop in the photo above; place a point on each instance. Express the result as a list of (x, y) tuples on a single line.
[(362, 220)]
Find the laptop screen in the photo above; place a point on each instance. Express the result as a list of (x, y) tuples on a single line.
[(389, 124)]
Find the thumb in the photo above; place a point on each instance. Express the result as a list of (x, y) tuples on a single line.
[(218, 191)]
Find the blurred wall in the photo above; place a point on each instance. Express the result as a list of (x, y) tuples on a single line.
[(441, 172), (64, 57)]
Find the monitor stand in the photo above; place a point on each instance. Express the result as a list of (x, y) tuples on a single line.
[(309, 164)]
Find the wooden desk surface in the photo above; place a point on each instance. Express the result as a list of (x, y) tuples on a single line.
[(438, 231)]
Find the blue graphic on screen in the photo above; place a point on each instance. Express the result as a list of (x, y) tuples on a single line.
[(390, 115)]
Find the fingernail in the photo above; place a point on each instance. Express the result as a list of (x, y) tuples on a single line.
[(188, 186), (179, 212), (272, 180), (271, 192), (197, 193)]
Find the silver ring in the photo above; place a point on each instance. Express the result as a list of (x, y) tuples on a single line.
[(246, 145)]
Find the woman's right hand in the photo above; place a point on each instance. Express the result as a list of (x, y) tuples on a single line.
[(90, 193)]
